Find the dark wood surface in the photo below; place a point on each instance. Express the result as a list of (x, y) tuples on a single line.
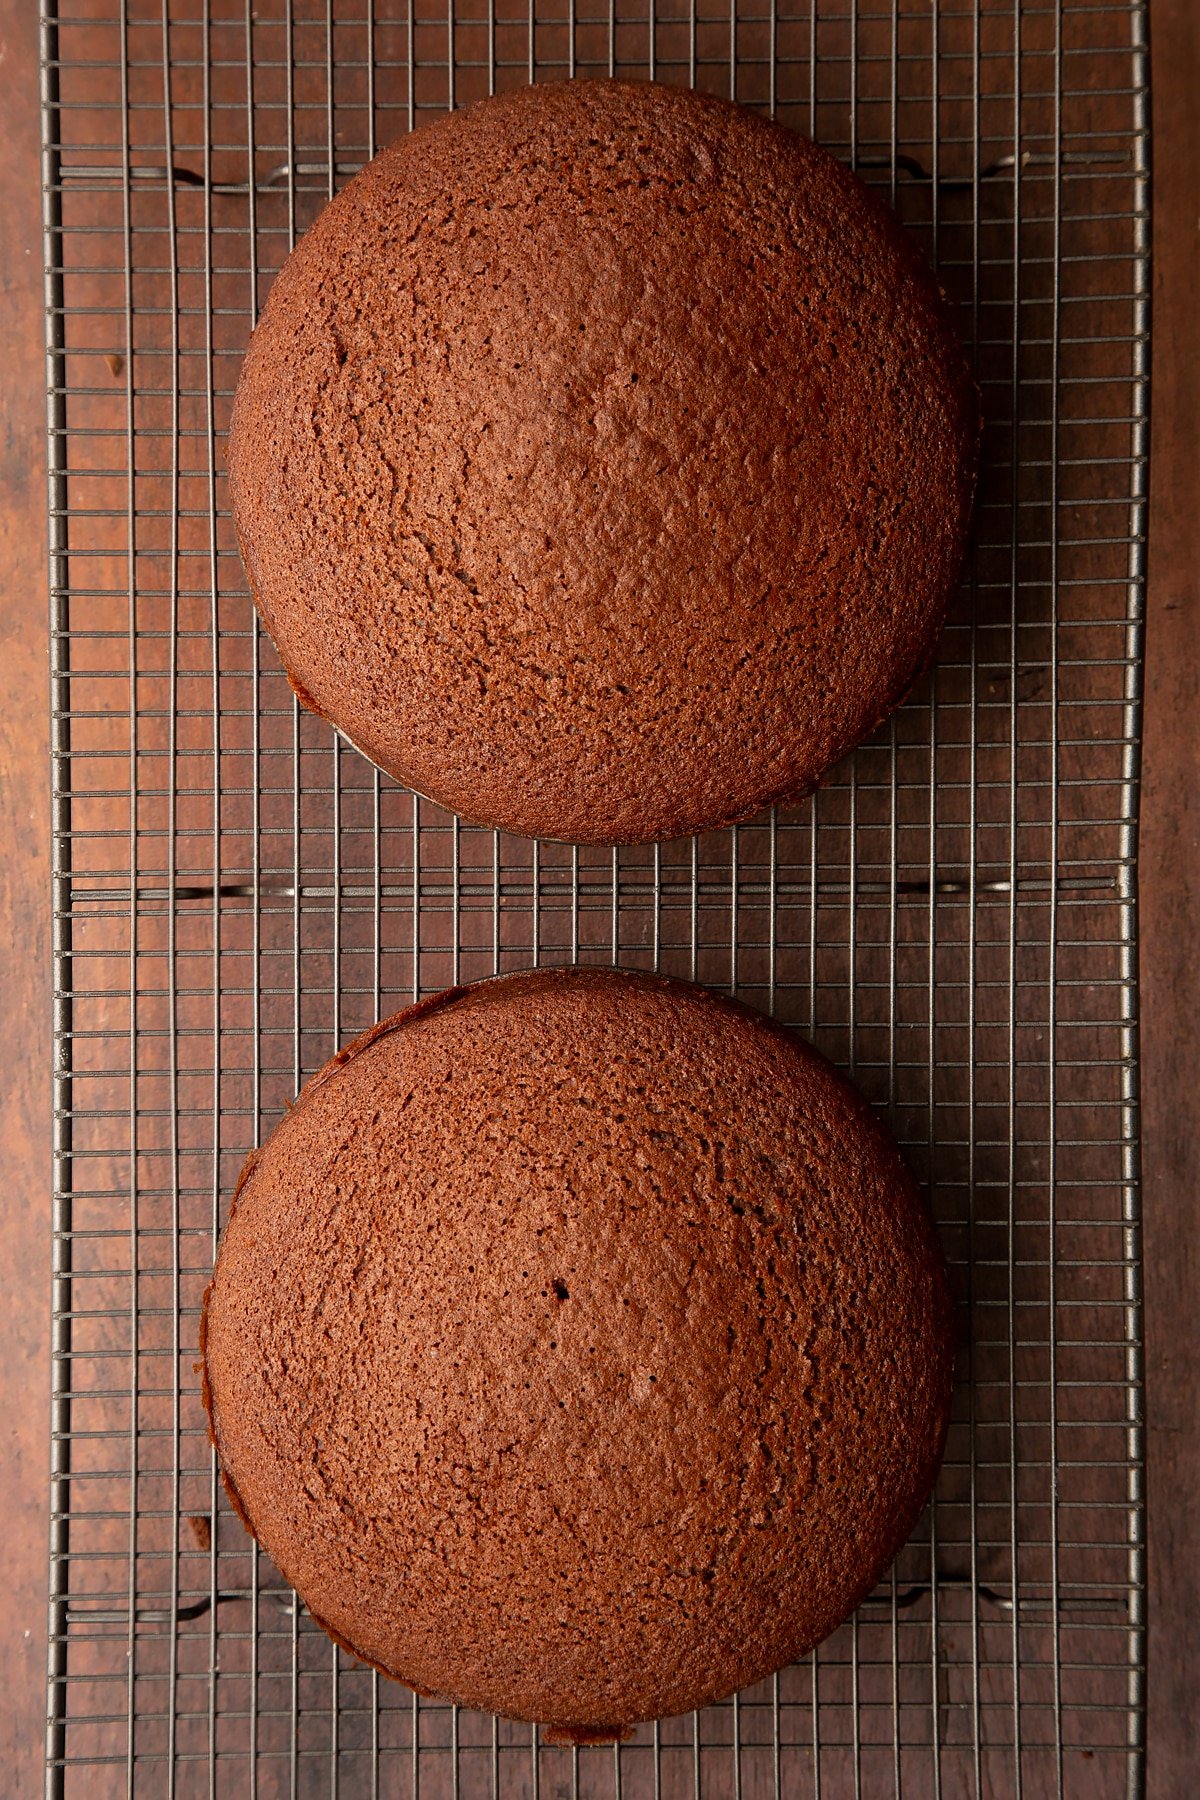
[(25, 922), (1169, 886), (1170, 908)]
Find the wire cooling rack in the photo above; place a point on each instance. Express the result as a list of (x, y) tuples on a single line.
[(951, 918)]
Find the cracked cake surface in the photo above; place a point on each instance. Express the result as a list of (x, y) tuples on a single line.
[(602, 462), (579, 1347)]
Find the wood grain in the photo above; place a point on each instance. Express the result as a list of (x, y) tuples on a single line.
[(25, 921), (1170, 909)]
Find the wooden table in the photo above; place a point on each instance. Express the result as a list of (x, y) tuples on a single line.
[(1170, 911), (1170, 890)]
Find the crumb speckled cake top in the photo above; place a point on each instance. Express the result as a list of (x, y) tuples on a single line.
[(579, 1347), (602, 461)]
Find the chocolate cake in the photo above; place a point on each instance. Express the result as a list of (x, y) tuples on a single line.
[(602, 462), (579, 1347)]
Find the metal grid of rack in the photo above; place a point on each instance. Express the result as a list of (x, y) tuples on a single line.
[(951, 918)]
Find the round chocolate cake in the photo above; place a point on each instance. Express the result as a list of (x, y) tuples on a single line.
[(602, 462), (579, 1348)]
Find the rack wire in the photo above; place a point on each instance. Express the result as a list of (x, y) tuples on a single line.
[(952, 917)]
